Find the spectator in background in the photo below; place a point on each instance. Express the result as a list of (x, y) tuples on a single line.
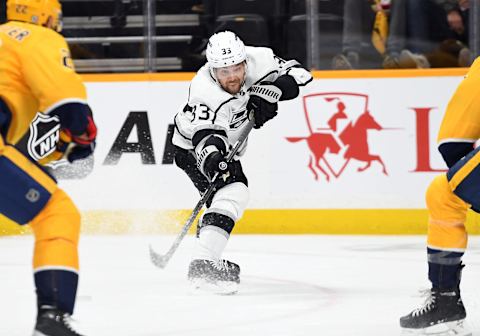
[(374, 35), (358, 21), (439, 30), (432, 21), (457, 17)]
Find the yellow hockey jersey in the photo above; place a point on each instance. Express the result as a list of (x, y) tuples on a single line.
[(36, 74), (461, 122)]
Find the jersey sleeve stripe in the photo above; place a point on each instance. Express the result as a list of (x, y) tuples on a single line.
[(178, 129)]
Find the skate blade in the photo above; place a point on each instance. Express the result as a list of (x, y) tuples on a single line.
[(38, 333), (201, 286), (454, 328)]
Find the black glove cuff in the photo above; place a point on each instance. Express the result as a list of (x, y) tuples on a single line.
[(288, 86), (266, 91), (203, 156)]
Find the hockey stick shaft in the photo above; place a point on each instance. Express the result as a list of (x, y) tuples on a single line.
[(162, 260)]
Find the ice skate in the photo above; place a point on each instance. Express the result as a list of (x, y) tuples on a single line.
[(53, 322), (218, 277), (442, 314)]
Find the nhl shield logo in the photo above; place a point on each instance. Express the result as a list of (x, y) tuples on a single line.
[(44, 135)]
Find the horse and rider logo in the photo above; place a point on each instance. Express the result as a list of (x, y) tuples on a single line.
[(338, 123)]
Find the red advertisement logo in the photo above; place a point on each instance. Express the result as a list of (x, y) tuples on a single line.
[(338, 123)]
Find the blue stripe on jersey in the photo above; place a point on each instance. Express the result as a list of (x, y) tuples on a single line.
[(457, 166), (467, 190), (452, 152), (21, 197)]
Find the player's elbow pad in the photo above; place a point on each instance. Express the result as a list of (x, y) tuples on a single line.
[(288, 86), (73, 116), (207, 137), (452, 152)]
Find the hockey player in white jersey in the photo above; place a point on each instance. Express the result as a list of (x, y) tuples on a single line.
[(234, 81)]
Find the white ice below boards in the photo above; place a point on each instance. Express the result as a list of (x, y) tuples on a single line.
[(291, 286)]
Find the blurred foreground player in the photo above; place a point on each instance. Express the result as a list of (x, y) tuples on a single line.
[(235, 81), (37, 75), (449, 197)]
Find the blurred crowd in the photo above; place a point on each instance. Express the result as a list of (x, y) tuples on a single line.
[(404, 34), (352, 34), (372, 34)]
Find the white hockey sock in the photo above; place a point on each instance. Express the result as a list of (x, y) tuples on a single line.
[(211, 243)]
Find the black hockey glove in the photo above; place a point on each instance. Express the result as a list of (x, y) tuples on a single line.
[(76, 120), (263, 102), (263, 110), (214, 163), (80, 152), (84, 144)]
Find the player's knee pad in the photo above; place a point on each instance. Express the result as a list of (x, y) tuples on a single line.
[(25, 188), (57, 230), (231, 201), (442, 203), (213, 220), (447, 215)]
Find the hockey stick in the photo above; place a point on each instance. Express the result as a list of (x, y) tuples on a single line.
[(162, 260)]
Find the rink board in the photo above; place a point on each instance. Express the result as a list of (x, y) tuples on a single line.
[(375, 159), (344, 221)]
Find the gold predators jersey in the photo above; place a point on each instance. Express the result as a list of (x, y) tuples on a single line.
[(461, 122), (36, 74)]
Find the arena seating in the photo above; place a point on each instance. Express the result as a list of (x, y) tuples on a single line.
[(108, 35), (329, 38), (251, 28)]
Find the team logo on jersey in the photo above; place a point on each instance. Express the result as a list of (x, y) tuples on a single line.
[(44, 135), (338, 123), (238, 118)]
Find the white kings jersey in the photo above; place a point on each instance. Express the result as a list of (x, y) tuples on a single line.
[(210, 107)]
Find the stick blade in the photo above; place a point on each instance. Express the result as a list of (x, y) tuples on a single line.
[(157, 259)]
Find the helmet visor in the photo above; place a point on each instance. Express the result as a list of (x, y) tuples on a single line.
[(237, 70)]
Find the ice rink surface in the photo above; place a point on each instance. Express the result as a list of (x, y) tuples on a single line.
[(291, 286)]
